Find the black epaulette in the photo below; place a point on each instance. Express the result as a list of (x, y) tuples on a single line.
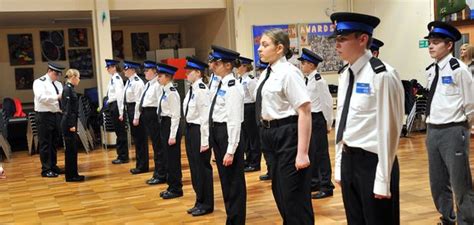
[(137, 79), (172, 89), (69, 85), (377, 65), (342, 68), (117, 77), (432, 64), (231, 83), (251, 77), (317, 76), (202, 86), (42, 78), (454, 63)]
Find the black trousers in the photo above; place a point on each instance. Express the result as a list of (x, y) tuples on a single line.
[(48, 131), (232, 177), (358, 168), (267, 154), (200, 167), (70, 158), (150, 120), (173, 153), (120, 131), (140, 139), (319, 152), (291, 188), (250, 137)]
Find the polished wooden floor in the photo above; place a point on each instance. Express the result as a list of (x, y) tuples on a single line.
[(111, 195)]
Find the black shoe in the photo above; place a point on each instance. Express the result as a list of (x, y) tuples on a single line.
[(137, 171), (170, 195), (322, 194), (251, 169), (57, 170), (75, 179), (154, 181), (119, 161), (49, 174), (189, 211), (265, 177), (201, 212)]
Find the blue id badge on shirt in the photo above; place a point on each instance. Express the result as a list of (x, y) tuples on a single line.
[(362, 88), (214, 78), (447, 79), (164, 97), (192, 96), (221, 93)]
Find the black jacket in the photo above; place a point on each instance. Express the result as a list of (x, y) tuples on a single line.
[(69, 107)]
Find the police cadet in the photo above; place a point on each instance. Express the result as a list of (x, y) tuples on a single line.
[(147, 117), (250, 137), (449, 111), (268, 155), (196, 113), (283, 111), (131, 99), (375, 47), (370, 110), (115, 105), (169, 113), (225, 118), (48, 90), (213, 78), (70, 109), (321, 114)]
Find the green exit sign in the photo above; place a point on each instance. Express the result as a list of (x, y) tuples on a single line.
[(423, 44)]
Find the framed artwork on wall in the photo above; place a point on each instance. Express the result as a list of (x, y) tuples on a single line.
[(140, 44), (24, 78), (78, 37), (20, 49), (81, 59), (52, 46), (117, 44)]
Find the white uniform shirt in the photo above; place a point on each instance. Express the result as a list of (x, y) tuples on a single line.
[(171, 107), (198, 112), (453, 99), (321, 99), (249, 84), (133, 89), (115, 91), (229, 108), (152, 96), (374, 119), (46, 98), (284, 92), (213, 83)]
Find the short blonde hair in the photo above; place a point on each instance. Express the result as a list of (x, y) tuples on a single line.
[(70, 73)]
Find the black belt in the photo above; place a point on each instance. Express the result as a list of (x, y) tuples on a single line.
[(164, 117), (217, 124), (131, 103), (149, 109), (249, 104), (278, 123), (353, 150), (317, 114), (446, 125), (49, 113), (192, 125)]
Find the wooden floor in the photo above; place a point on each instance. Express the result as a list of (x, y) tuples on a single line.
[(111, 195)]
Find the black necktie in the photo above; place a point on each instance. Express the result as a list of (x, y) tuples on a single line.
[(140, 107), (306, 81), (210, 82), (213, 103), (57, 92), (345, 109), (189, 99), (258, 100), (159, 106), (125, 92), (240, 79), (433, 86)]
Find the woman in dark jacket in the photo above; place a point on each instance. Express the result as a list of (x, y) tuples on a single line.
[(70, 109)]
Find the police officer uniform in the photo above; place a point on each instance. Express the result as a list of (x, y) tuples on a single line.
[(169, 113), (196, 112), (225, 120), (70, 109), (375, 46), (250, 136), (149, 99), (450, 109), (131, 98), (370, 100), (321, 114), (280, 92), (48, 114), (115, 105)]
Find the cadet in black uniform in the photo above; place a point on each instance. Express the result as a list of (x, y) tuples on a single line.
[(115, 105), (70, 108), (375, 47), (169, 113), (225, 121), (196, 108), (48, 90), (131, 100), (284, 112)]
